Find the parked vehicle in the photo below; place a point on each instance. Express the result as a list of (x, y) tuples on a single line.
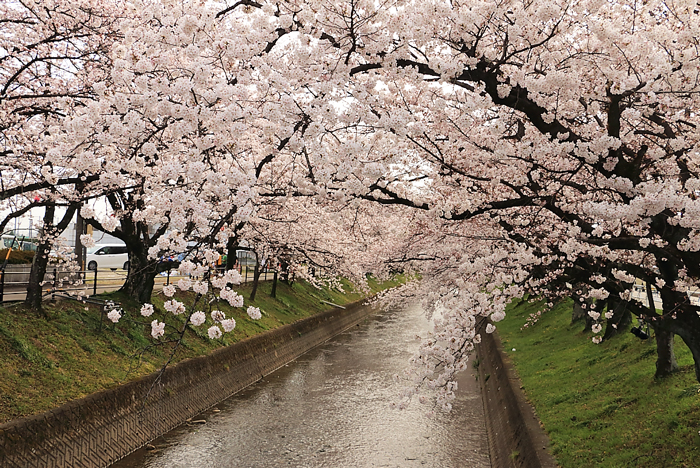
[(18, 242), (170, 262), (107, 256)]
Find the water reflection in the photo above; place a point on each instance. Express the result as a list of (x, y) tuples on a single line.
[(331, 408)]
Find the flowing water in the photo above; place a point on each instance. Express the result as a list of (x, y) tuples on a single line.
[(331, 408)]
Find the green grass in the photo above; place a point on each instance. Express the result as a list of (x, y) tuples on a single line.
[(74, 351), (600, 404)]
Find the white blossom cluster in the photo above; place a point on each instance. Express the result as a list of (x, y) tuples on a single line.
[(556, 154)]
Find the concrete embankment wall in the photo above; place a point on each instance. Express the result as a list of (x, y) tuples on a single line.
[(516, 439), (104, 427)]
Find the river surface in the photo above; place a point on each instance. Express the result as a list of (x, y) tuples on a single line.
[(331, 408)]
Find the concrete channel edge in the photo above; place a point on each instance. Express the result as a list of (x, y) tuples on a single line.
[(104, 427), (516, 437)]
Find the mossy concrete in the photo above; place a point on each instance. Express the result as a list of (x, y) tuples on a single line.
[(516, 438)]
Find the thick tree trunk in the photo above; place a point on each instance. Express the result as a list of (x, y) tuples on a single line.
[(41, 256), (666, 360), (693, 343), (274, 285), (142, 270), (36, 277), (579, 313), (685, 324), (596, 306), (39, 264)]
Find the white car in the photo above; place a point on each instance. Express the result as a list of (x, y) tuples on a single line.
[(107, 256)]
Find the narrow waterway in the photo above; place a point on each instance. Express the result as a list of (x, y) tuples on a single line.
[(331, 408)]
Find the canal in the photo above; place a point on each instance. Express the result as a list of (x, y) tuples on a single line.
[(331, 408)]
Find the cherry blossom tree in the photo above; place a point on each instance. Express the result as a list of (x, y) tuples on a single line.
[(573, 127), (567, 131), (52, 52), (167, 125), (502, 149)]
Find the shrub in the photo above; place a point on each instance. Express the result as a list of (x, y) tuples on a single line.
[(17, 256)]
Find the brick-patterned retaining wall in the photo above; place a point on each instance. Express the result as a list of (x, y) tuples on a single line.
[(516, 439), (104, 427)]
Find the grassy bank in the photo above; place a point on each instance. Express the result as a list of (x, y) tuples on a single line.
[(76, 351), (600, 404)]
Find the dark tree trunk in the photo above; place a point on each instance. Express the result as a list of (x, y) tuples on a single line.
[(274, 285), (650, 299), (79, 229), (41, 256), (692, 340), (40, 262), (579, 313), (666, 359), (686, 324), (231, 257), (36, 277), (596, 306), (284, 271), (622, 319), (142, 270), (256, 277), (676, 319)]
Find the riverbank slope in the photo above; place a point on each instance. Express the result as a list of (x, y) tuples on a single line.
[(600, 404), (75, 350)]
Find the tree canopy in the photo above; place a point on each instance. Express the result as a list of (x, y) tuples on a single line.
[(497, 148)]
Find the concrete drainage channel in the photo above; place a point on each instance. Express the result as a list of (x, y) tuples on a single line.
[(104, 427), (516, 439)]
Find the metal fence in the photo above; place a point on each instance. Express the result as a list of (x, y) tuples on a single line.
[(13, 284)]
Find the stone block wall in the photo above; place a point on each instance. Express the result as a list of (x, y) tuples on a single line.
[(104, 427)]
